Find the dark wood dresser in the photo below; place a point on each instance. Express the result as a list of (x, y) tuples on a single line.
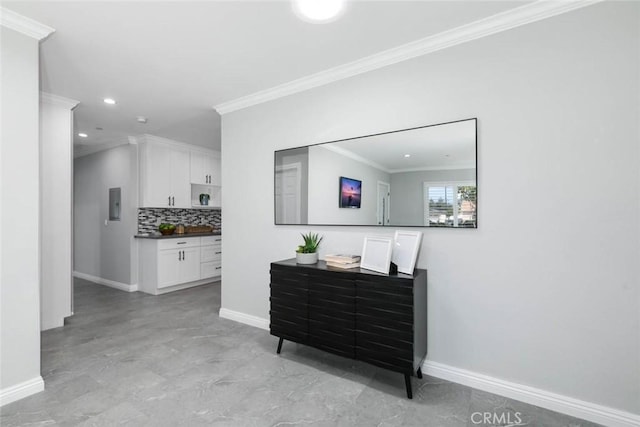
[(377, 318)]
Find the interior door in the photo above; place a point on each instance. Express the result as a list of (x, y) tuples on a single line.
[(287, 195), (384, 201)]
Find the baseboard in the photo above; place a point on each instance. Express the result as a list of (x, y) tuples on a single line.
[(106, 282), (556, 402), (247, 319), (22, 390)]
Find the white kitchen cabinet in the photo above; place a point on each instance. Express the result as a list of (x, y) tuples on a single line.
[(211, 257), (164, 174), (205, 167), (168, 267), (170, 264)]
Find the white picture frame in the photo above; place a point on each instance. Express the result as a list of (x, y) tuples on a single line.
[(406, 246), (376, 254)]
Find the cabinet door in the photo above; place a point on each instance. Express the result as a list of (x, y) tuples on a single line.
[(332, 305), (190, 265), (180, 176), (168, 268), (384, 323), (215, 170), (289, 304), (156, 182), (198, 174)]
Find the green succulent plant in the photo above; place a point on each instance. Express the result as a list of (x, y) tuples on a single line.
[(311, 243)]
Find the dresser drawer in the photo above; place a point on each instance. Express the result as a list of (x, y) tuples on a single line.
[(178, 243)]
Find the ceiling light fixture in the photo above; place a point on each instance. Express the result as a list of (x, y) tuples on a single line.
[(82, 135), (407, 155), (318, 11), (110, 101)]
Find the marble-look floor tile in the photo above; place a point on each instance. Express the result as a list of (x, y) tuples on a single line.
[(169, 360)]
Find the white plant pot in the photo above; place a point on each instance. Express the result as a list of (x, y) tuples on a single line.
[(307, 258)]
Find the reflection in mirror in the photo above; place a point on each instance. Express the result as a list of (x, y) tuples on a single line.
[(422, 177)]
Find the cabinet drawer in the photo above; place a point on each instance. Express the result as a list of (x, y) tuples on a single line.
[(178, 243), (210, 269), (211, 240), (210, 253)]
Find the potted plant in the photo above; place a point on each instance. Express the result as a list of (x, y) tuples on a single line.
[(307, 253)]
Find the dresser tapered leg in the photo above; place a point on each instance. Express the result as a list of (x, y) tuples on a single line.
[(407, 383), (280, 345), (419, 373)]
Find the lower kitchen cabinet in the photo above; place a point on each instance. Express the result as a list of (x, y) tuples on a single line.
[(176, 263)]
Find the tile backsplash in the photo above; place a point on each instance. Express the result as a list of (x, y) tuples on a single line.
[(150, 218)]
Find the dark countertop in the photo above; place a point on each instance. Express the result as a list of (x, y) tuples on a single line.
[(176, 236)]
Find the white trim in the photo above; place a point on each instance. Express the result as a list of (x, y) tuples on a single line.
[(247, 319), (503, 21), (82, 150), (350, 154), (106, 282), (50, 98), (21, 390), (24, 25), (545, 399), (434, 168)]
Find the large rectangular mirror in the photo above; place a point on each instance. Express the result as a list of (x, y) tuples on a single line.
[(418, 177)]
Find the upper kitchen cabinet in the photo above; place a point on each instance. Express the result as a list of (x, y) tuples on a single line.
[(164, 174), (205, 167)]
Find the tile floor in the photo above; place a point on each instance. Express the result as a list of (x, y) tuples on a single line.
[(141, 360)]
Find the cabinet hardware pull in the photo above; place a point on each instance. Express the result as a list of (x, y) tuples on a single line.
[(182, 243), (218, 268), (179, 256), (183, 257), (218, 253), (173, 201), (169, 200)]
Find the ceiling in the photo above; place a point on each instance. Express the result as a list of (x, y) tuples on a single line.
[(440, 147), (173, 61)]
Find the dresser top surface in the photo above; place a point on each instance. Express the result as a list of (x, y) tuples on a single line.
[(322, 266)]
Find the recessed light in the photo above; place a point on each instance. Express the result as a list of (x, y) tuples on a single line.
[(141, 119), (82, 135), (317, 10), (407, 155), (110, 101)]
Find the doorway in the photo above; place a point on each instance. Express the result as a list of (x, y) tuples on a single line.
[(287, 193), (384, 201)]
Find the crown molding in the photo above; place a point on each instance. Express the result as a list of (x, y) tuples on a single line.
[(24, 25), (50, 98), (503, 21), (81, 150)]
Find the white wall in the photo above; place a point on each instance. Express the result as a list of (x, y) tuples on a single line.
[(548, 298), (105, 251), (19, 222), (56, 174), (326, 167), (407, 192)]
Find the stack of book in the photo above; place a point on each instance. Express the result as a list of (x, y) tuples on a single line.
[(343, 261)]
